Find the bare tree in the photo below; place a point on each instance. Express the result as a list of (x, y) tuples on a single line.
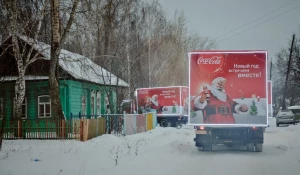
[(169, 63), (20, 23), (279, 75), (135, 41)]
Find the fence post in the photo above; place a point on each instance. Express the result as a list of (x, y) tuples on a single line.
[(135, 124), (19, 129), (85, 129), (154, 115), (63, 129), (124, 123), (81, 130), (146, 121)]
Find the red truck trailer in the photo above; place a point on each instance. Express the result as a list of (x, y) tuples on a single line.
[(228, 98), (170, 103)]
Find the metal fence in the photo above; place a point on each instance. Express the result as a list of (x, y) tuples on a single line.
[(113, 122)]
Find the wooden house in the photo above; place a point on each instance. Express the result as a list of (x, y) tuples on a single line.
[(83, 84)]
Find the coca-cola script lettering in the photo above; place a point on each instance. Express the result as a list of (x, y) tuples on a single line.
[(212, 60), (209, 63), (143, 91)]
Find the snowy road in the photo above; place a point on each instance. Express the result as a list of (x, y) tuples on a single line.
[(162, 151)]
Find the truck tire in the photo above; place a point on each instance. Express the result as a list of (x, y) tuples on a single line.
[(200, 148), (250, 147), (258, 147), (178, 125), (277, 124), (208, 147), (164, 123)]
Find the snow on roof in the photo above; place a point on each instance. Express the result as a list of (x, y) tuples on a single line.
[(78, 66), (27, 77)]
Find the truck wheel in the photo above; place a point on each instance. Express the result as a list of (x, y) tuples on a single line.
[(250, 147), (178, 125), (258, 147), (277, 124), (164, 123), (208, 147), (200, 149)]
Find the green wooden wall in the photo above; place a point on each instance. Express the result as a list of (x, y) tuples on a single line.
[(71, 93)]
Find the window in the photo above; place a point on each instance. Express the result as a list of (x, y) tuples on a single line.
[(106, 100), (1, 108), (107, 105), (98, 103), (44, 108), (24, 108), (83, 105)]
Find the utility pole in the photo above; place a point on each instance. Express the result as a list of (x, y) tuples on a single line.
[(287, 73), (271, 64)]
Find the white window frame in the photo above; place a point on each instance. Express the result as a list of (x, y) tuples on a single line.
[(44, 103), (92, 105), (83, 105), (98, 103), (92, 102), (107, 103), (23, 104), (1, 108)]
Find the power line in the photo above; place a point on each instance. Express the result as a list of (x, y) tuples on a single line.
[(255, 19), (259, 24)]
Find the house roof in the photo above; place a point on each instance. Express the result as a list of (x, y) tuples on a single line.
[(27, 77), (78, 66)]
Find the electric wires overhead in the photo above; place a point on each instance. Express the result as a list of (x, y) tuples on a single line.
[(219, 40)]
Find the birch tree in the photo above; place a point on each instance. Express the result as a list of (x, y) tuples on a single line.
[(57, 41), (23, 55)]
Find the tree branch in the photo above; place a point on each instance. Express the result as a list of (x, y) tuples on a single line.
[(36, 35), (69, 24)]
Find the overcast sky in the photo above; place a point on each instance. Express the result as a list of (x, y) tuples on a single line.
[(216, 18)]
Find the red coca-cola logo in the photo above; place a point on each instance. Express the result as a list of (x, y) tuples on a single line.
[(143, 91), (209, 63)]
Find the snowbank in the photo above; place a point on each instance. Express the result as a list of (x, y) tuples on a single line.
[(160, 151)]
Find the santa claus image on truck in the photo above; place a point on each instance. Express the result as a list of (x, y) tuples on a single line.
[(156, 105), (168, 102), (228, 88), (228, 98), (216, 105)]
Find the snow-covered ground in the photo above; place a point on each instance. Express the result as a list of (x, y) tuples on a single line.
[(162, 151)]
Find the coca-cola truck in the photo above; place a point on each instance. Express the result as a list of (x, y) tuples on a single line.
[(228, 98), (170, 103)]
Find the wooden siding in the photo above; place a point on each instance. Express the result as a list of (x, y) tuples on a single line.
[(70, 95), (33, 90)]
